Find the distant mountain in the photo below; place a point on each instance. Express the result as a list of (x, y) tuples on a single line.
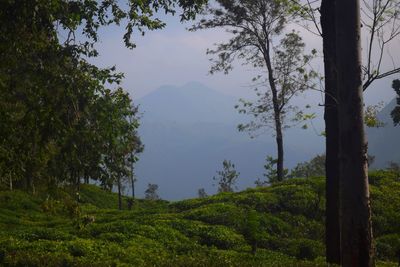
[(384, 142), (189, 130), (190, 103)]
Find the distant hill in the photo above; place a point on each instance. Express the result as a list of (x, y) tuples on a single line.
[(189, 130), (384, 142)]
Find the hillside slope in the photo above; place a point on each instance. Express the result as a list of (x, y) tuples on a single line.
[(281, 225)]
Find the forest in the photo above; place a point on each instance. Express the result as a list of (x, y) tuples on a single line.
[(69, 138)]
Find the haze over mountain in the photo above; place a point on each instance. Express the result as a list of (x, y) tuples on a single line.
[(189, 130), (383, 142)]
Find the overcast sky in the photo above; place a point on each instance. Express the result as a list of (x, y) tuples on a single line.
[(176, 56)]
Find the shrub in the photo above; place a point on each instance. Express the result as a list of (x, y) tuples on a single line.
[(218, 213), (41, 233), (221, 237), (388, 247)]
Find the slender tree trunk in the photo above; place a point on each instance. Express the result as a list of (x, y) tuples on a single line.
[(31, 167), (132, 181), (332, 218), (279, 143), (78, 185), (11, 181), (356, 231), (86, 177), (119, 194), (277, 114)]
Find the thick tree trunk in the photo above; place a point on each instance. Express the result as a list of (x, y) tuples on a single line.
[(356, 231), (332, 218)]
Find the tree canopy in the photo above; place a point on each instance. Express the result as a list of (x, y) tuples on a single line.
[(259, 39), (62, 117)]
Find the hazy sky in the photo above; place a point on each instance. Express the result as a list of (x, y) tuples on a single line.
[(176, 56)]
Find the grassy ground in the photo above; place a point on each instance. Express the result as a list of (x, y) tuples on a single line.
[(283, 224)]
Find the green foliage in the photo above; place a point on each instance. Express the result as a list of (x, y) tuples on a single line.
[(217, 213), (312, 168), (251, 229), (63, 122), (227, 177), (395, 113), (371, 116), (271, 174), (388, 246), (278, 225)]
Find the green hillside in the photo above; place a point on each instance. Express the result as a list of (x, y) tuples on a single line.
[(280, 225)]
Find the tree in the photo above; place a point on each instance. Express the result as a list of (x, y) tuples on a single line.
[(255, 26), (315, 167), (381, 22), (270, 173), (332, 223), (56, 131), (227, 177), (396, 111), (201, 193), (356, 228), (151, 192), (139, 147)]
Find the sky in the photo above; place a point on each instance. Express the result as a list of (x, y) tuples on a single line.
[(175, 56)]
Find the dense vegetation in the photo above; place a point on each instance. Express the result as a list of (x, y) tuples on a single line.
[(279, 225)]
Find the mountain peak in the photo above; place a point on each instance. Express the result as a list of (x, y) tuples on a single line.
[(192, 102)]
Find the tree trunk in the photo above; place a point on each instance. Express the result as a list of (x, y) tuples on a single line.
[(78, 185), (86, 177), (279, 143), (332, 218), (356, 231), (119, 194), (277, 114), (133, 183), (11, 181)]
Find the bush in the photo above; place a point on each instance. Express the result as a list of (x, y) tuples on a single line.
[(41, 233), (388, 247), (221, 237), (379, 177), (218, 213)]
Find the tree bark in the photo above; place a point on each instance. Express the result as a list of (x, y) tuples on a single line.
[(132, 181), (277, 114), (356, 231), (332, 218), (279, 143), (119, 194)]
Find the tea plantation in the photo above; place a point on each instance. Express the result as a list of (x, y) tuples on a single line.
[(279, 225)]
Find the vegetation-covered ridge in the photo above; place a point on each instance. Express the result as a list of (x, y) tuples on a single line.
[(279, 225)]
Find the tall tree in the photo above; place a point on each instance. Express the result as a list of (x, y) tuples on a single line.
[(356, 228), (256, 26), (50, 93), (332, 223), (381, 26)]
